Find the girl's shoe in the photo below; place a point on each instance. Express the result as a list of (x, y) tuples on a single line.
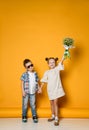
[(51, 119), (56, 123)]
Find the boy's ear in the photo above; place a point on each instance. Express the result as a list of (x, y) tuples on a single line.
[(46, 59), (56, 59)]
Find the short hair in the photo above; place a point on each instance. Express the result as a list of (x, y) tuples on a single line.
[(47, 59), (26, 61)]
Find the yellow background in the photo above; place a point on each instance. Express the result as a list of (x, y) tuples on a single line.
[(35, 29)]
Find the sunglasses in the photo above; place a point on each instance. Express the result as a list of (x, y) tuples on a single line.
[(29, 66)]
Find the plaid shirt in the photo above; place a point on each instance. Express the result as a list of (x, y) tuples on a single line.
[(25, 78)]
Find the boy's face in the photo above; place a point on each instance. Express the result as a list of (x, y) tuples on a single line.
[(51, 63), (29, 66)]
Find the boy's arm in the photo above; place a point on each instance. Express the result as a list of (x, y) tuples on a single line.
[(40, 88), (43, 81), (22, 87)]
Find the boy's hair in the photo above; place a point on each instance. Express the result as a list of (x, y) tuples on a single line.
[(47, 59), (26, 61)]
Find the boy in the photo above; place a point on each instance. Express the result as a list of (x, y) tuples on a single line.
[(29, 85)]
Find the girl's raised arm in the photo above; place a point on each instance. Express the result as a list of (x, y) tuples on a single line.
[(62, 60)]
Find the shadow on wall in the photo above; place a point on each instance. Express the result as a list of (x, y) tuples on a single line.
[(76, 58)]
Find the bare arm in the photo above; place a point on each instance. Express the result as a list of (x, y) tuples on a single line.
[(62, 60), (40, 88), (42, 84), (43, 81), (22, 87)]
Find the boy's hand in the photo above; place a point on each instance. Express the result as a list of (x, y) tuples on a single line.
[(24, 94)]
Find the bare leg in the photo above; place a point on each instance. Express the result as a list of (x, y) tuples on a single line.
[(56, 112), (56, 107), (52, 106), (52, 110)]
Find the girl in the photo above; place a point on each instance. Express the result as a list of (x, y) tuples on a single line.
[(54, 88)]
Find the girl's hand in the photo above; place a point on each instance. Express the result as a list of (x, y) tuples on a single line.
[(39, 90)]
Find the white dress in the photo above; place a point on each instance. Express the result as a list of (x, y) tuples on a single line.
[(54, 86)]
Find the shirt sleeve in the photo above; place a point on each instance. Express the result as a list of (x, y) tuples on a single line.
[(60, 66), (37, 78), (22, 77), (45, 78)]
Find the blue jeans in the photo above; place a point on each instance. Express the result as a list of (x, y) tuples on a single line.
[(31, 98)]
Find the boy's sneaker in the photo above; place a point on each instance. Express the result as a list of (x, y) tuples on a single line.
[(24, 119), (35, 119)]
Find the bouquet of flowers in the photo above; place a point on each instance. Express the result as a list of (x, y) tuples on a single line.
[(68, 43)]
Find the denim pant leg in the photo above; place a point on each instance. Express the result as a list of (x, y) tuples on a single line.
[(32, 104), (25, 105)]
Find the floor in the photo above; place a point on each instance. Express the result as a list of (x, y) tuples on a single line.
[(65, 124)]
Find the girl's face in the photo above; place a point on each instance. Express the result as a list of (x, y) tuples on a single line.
[(29, 66), (51, 63)]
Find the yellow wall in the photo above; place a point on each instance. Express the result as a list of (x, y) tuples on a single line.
[(35, 29)]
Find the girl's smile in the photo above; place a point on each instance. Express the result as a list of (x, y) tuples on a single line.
[(51, 63)]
